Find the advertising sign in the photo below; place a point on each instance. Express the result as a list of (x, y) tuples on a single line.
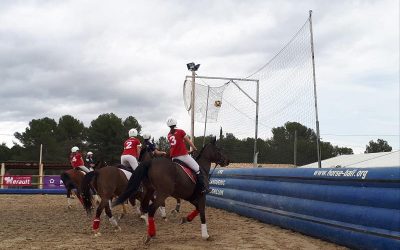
[(52, 182), (20, 180)]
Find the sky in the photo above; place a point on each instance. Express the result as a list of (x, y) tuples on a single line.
[(85, 58)]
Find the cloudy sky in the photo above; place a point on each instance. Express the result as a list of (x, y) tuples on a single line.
[(85, 58)]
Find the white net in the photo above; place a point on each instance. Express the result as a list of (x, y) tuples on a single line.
[(208, 100), (286, 94)]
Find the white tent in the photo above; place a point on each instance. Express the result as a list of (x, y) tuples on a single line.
[(372, 160)]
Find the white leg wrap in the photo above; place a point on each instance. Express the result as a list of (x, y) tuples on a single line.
[(109, 203), (113, 221), (204, 233), (145, 217), (162, 211)]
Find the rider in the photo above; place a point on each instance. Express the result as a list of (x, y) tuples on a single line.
[(151, 146), (77, 161), (89, 160), (177, 139), (131, 151)]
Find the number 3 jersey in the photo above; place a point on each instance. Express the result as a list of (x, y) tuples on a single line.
[(130, 147), (177, 143)]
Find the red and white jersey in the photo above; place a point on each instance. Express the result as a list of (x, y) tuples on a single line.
[(76, 160), (130, 147), (177, 143)]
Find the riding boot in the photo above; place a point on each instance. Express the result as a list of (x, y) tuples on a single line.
[(201, 184)]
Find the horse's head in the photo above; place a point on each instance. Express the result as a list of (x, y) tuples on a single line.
[(145, 153), (214, 153)]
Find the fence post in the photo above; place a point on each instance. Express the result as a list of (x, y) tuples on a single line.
[(41, 176), (2, 173)]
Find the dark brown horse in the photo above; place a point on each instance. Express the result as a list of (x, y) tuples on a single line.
[(72, 180), (167, 178)]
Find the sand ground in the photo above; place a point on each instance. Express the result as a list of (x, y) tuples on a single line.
[(45, 222)]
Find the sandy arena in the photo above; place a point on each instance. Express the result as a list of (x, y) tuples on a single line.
[(44, 222)]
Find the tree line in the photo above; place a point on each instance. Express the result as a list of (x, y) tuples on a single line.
[(106, 134)]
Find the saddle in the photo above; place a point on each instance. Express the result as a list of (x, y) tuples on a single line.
[(190, 173)]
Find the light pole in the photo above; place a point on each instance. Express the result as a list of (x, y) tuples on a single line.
[(192, 67)]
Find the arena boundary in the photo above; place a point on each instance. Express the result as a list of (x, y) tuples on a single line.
[(357, 208)]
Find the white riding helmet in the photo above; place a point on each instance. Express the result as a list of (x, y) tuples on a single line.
[(132, 132), (146, 136), (89, 153), (171, 122), (74, 149)]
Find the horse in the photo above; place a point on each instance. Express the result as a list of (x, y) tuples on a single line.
[(72, 179), (167, 178), (109, 182)]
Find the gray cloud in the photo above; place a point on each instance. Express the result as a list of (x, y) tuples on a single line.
[(129, 58)]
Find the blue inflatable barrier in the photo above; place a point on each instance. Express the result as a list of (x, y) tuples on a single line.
[(32, 191), (358, 208)]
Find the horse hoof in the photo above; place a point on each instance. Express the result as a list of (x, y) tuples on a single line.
[(121, 216), (165, 218), (97, 234), (69, 206), (118, 229), (205, 237), (147, 239), (174, 211)]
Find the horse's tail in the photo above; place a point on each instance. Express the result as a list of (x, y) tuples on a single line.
[(85, 186), (134, 182), (68, 183)]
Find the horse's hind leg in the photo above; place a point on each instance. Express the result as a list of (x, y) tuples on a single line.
[(151, 227), (96, 220), (192, 214), (112, 220)]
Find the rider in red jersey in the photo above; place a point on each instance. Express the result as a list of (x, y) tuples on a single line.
[(131, 151), (77, 161), (177, 139)]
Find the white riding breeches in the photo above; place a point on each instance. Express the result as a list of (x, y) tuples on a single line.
[(190, 162), (84, 169), (129, 161)]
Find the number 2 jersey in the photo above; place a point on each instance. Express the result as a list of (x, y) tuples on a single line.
[(177, 143), (130, 147)]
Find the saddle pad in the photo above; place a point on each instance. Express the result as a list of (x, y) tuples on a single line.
[(127, 173), (189, 172)]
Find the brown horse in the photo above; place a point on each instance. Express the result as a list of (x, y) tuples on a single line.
[(109, 182), (72, 180), (167, 178)]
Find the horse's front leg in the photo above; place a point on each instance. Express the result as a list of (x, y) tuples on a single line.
[(202, 210), (69, 200)]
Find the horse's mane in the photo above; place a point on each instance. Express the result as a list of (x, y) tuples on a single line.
[(201, 151), (142, 152)]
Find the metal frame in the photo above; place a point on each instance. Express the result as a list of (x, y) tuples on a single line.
[(257, 102)]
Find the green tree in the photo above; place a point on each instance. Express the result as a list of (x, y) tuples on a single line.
[(163, 144), (379, 146), (342, 151), (5, 152), (106, 135), (131, 122), (40, 131), (70, 132)]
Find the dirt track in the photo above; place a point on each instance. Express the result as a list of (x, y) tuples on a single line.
[(44, 222)]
